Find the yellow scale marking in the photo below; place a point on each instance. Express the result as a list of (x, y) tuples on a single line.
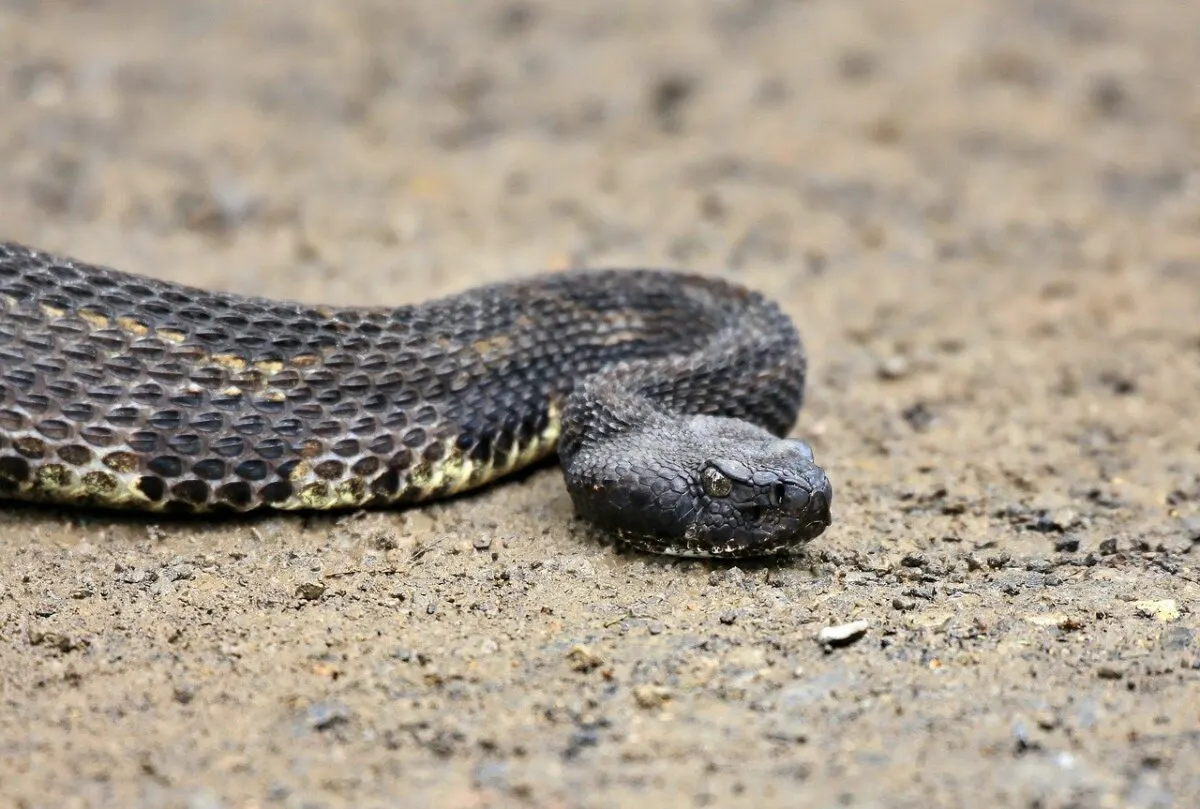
[(113, 478)]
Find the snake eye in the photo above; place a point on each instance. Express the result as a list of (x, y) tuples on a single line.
[(715, 483)]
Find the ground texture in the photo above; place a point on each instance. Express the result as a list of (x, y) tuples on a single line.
[(985, 218)]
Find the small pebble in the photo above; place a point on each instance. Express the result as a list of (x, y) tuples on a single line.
[(728, 617), (326, 715), (843, 634), (1191, 528), (137, 575), (180, 572), (651, 696), (919, 416), (1163, 610), (310, 590), (1047, 720), (733, 575), (482, 543), (583, 659), (385, 541), (1068, 543), (924, 591), (1021, 735), (894, 367), (998, 560), (1059, 519)]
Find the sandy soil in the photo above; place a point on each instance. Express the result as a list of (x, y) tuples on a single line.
[(984, 216)]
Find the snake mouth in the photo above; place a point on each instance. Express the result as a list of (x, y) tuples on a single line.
[(784, 536)]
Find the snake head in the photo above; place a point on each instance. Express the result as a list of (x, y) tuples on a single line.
[(765, 500), (708, 487)]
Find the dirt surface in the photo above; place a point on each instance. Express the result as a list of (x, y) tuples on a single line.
[(984, 216)]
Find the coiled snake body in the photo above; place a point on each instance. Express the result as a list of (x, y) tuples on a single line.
[(665, 396)]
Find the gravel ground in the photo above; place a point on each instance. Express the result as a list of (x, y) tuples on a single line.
[(985, 218)]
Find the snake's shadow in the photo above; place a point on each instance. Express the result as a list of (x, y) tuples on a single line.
[(86, 513)]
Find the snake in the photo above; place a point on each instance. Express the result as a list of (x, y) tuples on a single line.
[(668, 397)]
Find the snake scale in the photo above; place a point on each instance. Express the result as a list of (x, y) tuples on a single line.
[(666, 396)]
